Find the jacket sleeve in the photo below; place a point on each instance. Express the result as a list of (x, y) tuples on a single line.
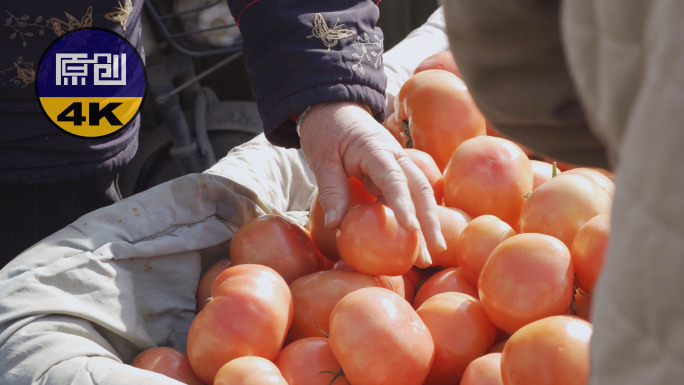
[(304, 52), (511, 57)]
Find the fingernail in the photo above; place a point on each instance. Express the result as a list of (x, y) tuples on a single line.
[(426, 254), (330, 216), (441, 243)]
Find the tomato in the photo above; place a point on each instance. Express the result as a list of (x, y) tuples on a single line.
[(488, 175), (397, 128), (434, 175), (480, 236), (549, 351), (249, 315), (167, 361), (323, 237), (207, 279), (249, 370), (599, 176), (498, 346), (443, 60), (581, 306), (310, 361), (484, 370), (379, 339), (588, 251), (461, 332), (274, 241), (541, 172), (447, 280), (440, 112), (452, 222), (371, 241), (315, 295), (562, 205), (527, 277)]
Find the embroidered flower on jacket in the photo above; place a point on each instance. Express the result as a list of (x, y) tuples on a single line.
[(329, 36), (121, 14), (371, 51), (61, 27)]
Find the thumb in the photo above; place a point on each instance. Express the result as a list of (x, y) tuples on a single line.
[(333, 190)]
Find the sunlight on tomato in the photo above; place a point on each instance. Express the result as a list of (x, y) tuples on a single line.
[(541, 172), (310, 361), (449, 279), (249, 370), (167, 361), (484, 370), (588, 251)]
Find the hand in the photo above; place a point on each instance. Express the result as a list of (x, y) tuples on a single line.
[(342, 139)]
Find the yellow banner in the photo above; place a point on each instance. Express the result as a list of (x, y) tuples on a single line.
[(91, 117)]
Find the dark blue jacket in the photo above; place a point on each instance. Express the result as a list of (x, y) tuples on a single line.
[(32, 149), (304, 52)]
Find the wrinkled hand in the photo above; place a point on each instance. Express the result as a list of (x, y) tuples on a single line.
[(342, 139)]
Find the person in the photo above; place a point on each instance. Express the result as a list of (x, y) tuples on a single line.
[(316, 71), (49, 178), (599, 83)]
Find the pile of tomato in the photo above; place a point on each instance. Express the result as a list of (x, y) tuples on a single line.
[(507, 302)]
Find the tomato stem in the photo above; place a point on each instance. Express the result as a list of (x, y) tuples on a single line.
[(405, 130), (337, 374), (321, 330), (554, 170)]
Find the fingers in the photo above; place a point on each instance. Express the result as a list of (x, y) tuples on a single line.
[(333, 190)]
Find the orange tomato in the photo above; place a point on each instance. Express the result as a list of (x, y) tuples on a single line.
[(249, 370), (167, 361), (452, 221), (541, 172), (550, 351), (448, 280), (249, 315), (484, 370), (315, 295), (440, 112), (480, 236), (488, 175), (599, 176), (310, 361), (207, 280), (379, 339), (562, 205), (273, 241), (588, 251), (527, 277), (323, 237), (461, 332), (371, 241)]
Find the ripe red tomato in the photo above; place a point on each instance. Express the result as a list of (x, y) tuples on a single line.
[(488, 175), (588, 251), (396, 283), (167, 361), (371, 241), (315, 295), (440, 112), (541, 172), (461, 332), (272, 240), (310, 361), (379, 339), (443, 60), (325, 238), (452, 221), (480, 236), (249, 315), (484, 370), (447, 280), (249, 370), (526, 278), (599, 176), (207, 280), (550, 351), (562, 205)]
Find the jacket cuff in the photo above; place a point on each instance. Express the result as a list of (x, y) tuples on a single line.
[(299, 54)]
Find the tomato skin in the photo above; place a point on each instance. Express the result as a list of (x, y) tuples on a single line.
[(379, 339), (440, 112), (588, 251), (562, 205), (207, 280), (450, 279), (488, 175), (325, 238), (249, 370), (527, 277), (484, 370), (550, 351), (599, 176), (274, 241), (542, 171), (309, 361), (167, 361), (315, 295), (480, 236), (461, 332), (452, 222), (371, 241), (249, 315), (443, 60)]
